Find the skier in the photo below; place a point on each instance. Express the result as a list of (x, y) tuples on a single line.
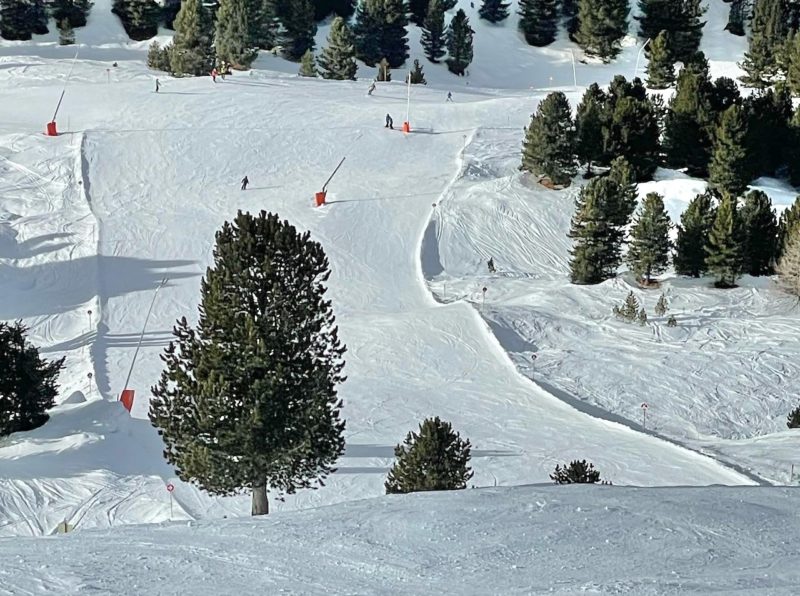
[(490, 264), (449, 96), (389, 122), (214, 75), (371, 88), (245, 182), (157, 85)]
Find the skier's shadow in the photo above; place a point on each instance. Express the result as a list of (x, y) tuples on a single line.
[(262, 187)]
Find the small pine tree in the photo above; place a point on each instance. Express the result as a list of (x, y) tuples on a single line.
[(308, 65), (789, 264), (436, 458), (759, 233), (728, 167), (190, 52), (767, 33), (589, 119), (538, 21), (648, 254), (630, 309), (66, 34), (577, 472), (693, 231), (338, 60), (549, 147), (299, 29), (601, 26), (723, 251), (642, 317), (459, 43), (661, 306), (660, 67), (417, 75), (384, 72), (232, 36), (494, 11), (433, 33), (28, 385), (793, 420), (672, 321), (596, 252), (158, 57)]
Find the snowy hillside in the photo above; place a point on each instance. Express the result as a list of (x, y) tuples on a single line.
[(525, 540), (131, 194)]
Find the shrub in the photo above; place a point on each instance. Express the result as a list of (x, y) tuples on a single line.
[(578, 472)]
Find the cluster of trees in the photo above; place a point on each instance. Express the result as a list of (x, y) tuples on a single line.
[(633, 311), (773, 46), (28, 385), (20, 19), (453, 41)]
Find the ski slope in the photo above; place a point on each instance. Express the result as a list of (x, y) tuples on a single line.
[(133, 191)]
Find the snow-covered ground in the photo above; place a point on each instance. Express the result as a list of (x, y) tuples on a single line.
[(523, 540), (131, 194)]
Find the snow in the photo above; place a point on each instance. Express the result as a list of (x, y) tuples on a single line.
[(523, 540), (535, 372)]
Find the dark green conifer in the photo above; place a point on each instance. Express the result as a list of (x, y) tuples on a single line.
[(690, 123), (538, 21), (435, 458), (417, 74), (368, 31), (394, 41), (433, 33), (139, 17), (737, 17), (190, 52), (578, 472), (338, 60), (728, 172), (759, 234), (549, 146), (308, 65), (648, 253), (769, 132), (789, 224), (724, 249), (601, 26), (248, 398), (693, 231), (417, 11), (299, 29), (494, 11), (660, 67), (232, 35), (767, 34), (621, 208), (589, 121), (459, 43), (633, 132)]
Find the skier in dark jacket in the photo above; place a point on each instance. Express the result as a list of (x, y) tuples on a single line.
[(389, 122), (245, 182)]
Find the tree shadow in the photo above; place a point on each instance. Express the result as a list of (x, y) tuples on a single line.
[(11, 249)]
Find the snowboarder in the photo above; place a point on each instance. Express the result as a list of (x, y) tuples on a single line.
[(490, 264), (158, 85), (371, 88), (214, 75), (389, 122), (245, 182), (449, 96)]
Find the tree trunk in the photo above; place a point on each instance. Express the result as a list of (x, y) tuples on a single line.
[(260, 503)]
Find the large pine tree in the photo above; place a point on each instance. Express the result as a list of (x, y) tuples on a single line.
[(263, 23), (648, 253), (660, 66), (433, 32), (598, 242), (75, 12), (601, 26), (696, 222), (679, 18), (769, 131), (633, 132), (767, 33), (622, 204), (139, 17), (232, 35), (299, 29), (417, 11), (190, 52), (367, 30), (247, 400), (690, 123), (394, 44), (728, 172), (724, 249), (759, 233), (494, 11), (459, 43), (589, 120), (338, 59), (538, 21), (28, 385), (549, 146)]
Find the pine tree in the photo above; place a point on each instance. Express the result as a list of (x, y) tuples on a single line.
[(139, 17), (601, 26), (231, 40), (767, 33), (633, 131), (662, 306), (769, 131), (27, 382), (538, 21), (263, 23), (190, 52), (672, 321), (689, 123), (343, 8), (759, 233), (494, 11), (66, 34), (681, 21), (37, 17), (14, 24), (569, 12), (693, 231), (596, 253), (630, 309), (417, 74), (728, 167), (793, 66), (621, 208), (418, 10), (308, 65), (433, 33), (789, 222), (789, 264), (338, 60), (394, 43), (549, 146), (75, 12), (368, 31), (641, 317), (737, 17), (578, 472), (793, 420), (660, 67), (158, 57), (648, 253), (299, 29), (723, 250), (724, 94), (436, 458), (459, 43), (589, 120), (247, 399)]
